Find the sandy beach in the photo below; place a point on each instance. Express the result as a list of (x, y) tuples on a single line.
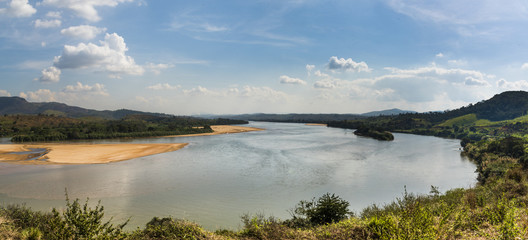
[(51, 153), (316, 124), (222, 129)]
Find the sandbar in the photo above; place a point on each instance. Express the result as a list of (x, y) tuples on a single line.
[(82, 153), (316, 124), (222, 129), (66, 153)]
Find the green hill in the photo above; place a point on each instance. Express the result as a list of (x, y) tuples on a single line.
[(18, 105)]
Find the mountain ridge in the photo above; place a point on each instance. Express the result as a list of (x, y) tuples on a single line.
[(18, 105)]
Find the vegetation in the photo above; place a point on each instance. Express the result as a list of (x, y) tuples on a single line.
[(493, 134), (31, 128), (374, 133)]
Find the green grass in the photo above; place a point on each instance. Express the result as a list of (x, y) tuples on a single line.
[(465, 120)]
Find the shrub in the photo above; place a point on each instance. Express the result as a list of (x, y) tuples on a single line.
[(78, 222), (169, 228), (327, 209)]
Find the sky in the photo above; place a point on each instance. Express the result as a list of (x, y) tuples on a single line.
[(263, 56)]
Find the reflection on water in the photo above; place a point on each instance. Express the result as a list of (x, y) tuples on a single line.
[(216, 179)]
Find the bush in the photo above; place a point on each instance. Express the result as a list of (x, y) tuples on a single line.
[(327, 209), (169, 228), (78, 222)]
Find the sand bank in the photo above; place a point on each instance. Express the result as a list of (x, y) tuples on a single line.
[(222, 129), (82, 153), (316, 124), (97, 153)]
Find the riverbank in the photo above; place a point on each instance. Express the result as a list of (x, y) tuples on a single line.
[(50, 153), (222, 129)]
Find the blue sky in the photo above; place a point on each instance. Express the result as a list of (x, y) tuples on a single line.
[(275, 56)]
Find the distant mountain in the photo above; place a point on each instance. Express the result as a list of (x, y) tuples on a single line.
[(387, 112), (308, 117), (18, 105), (292, 117)]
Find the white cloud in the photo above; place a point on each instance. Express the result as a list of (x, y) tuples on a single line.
[(471, 81), (455, 12), (41, 95), (457, 63), (53, 14), (18, 8), (84, 9), (439, 73), (524, 66), (96, 89), (309, 67), (325, 84), (289, 80), (481, 21), (439, 55), (262, 93), (4, 93), (347, 65), (109, 56), (320, 74), (50, 75), (200, 91), (517, 85), (47, 23), (156, 68), (163, 86), (85, 32)]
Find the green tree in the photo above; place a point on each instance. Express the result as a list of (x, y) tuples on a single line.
[(329, 208)]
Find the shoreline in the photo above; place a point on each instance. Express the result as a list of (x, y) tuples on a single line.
[(73, 153), (221, 129)]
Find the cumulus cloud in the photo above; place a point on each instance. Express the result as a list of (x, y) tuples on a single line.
[(85, 32), (156, 68), (289, 80), (309, 67), (96, 89), (18, 9), (53, 14), (4, 93), (347, 65), (50, 75), (517, 85), (84, 9), (109, 56), (439, 55), (163, 86), (524, 66), (443, 74), (471, 81), (41, 95), (47, 23), (325, 84), (200, 91)]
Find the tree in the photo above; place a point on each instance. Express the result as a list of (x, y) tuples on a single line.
[(329, 208)]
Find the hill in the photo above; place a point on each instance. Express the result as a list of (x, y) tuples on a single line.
[(394, 111), (18, 105), (293, 117), (495, 117)]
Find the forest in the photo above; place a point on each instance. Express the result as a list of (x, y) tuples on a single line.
[(33, 128)]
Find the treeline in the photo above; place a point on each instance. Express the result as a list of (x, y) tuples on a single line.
[(31, 128)]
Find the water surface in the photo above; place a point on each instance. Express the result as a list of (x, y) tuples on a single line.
[(216, 179)]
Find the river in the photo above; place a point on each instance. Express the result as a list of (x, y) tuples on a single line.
[(216, 179)]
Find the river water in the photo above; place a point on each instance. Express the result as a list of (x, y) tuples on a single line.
[(216, 179)]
